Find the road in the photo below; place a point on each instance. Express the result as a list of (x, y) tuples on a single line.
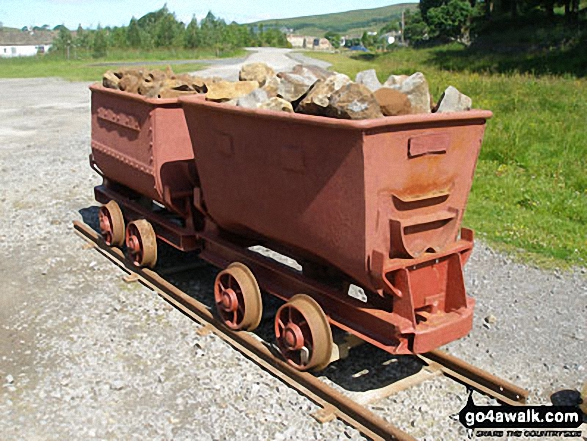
[(278, 59)]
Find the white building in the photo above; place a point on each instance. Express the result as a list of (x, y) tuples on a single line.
[(18, 43), (308, 42)]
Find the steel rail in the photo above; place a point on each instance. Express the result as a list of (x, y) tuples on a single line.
[(334, 404), (331, 400)]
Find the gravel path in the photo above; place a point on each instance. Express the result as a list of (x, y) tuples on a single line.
[(84, 355), (278, 59)]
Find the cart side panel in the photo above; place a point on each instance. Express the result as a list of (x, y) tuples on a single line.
[(283, 181)]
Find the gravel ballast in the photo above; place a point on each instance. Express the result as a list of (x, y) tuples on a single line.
[(85, 355)]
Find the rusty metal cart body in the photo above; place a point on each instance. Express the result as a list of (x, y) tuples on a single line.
[(378, 201), (142, 149)]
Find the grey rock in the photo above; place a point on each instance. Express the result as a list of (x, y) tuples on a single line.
[(312, 72), (277, 104), (490, 319), (369, 79), (395, 80), (293, 87), (9, 379), (253, 99), (354, 101), (415, 87), (453, 101), (317, 101)]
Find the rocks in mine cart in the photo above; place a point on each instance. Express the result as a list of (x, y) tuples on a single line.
[(453, 101), (312, 72), (110, 80), (258, 72), (253, 99), (369, 79), (393, 102), (293, 87), (226, 90), (354, 101), (129, 83), (395, 80), (415, 87), (318, 99), (277, 104), (271, 86)]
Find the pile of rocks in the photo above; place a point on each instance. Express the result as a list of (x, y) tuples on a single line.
[(305, 89), (315, 91), (155, 83)]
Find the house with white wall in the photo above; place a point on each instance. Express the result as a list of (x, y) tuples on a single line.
[(24, 43)]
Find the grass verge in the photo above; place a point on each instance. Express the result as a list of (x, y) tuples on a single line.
[(89, 69), (529, 195)]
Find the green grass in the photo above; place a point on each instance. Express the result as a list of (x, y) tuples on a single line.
[(359, 20), (529, 195), (89, 69)]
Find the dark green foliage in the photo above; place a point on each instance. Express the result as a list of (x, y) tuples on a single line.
[(450, 20), (161, 30), (334, 38), (100, 45)]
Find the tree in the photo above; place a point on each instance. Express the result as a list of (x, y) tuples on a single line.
[(333, 38), (133, 33), (192, 34), (451, 20), (64, 41), (416, 29), (100, 45)]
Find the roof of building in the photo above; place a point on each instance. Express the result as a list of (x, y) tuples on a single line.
[(16, 37)]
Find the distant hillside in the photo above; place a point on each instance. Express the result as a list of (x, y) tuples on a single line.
[(354, 22)]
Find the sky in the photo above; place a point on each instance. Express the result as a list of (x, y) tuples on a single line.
[(90, 13)]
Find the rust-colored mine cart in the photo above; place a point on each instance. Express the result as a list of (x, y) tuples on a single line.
[(142, 149), (371, 210)]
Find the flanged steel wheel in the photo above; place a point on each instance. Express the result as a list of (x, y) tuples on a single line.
[(303, 333), (112, 224), (238, 297), (141, 243)]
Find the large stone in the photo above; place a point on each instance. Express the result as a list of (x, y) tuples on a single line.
[(453, 101), (392, 102), (318, 99), (311, 72), (369, 79), (395, 80), (130, 83), (293, 87), (226, 90), (253, 99), (277, 104), (271, 86), (258, 72), (110, 80), (416, 88), (353, 101)]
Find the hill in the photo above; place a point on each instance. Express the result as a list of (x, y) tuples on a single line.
[(350, 22)]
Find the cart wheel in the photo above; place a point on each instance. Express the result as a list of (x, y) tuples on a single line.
[(112, 224), (303, 333), (141, 243), (238, 297)]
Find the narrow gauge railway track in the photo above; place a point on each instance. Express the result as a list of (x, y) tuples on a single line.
[(334, 404)]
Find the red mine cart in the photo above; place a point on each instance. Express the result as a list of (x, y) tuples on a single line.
[(142, 149), (375, 203)]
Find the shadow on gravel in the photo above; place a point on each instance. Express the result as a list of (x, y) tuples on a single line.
[(366, 368)]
